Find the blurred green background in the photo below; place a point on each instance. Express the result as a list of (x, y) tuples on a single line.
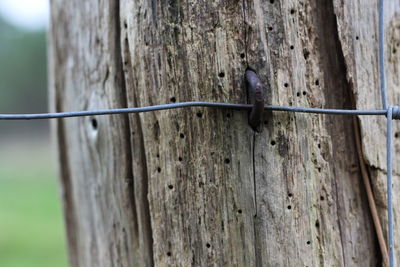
[(31, 223)]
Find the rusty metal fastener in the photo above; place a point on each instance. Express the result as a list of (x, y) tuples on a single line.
[(255, 91)]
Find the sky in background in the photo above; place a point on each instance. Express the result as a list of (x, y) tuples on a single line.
[(29, 14)]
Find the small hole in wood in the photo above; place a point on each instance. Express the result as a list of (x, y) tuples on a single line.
[(228, 115), (271, 1), (171, 186), (158, 169), (319, 145), (173, 99), (394, 50), (158, 155), (289, 207), (242, 55), (396, 135), (304, 92), (208, 245), (227, 161), (319, 169), (94, 124), (290, 195), (316, 82), (199, 114), (240, 211), (270, 28), (292, 47), (298, 94), (182, 135), (308, 242), (221, 74), (180, 159), (169, 254), (357, 37), (292, 11), (306, 54), (286, 84), (273, 143), (125, 25), (322, 198), (317, 223)]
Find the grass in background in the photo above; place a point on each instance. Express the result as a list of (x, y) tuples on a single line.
[(31, 224)]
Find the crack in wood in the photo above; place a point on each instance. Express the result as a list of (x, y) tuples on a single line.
[(142, 213)]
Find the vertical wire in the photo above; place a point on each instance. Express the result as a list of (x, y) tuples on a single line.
[(389, 159), (389, 140), (382, 72)]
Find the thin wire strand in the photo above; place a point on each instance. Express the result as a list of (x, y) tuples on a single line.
[(382, 72), (58, 115), (389, 159)]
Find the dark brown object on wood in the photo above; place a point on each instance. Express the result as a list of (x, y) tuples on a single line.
[(255, 91)]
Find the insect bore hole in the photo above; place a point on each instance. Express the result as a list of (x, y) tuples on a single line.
[(94, 124)]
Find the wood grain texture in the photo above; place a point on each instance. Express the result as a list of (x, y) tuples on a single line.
[(95, 154), (196, 186)]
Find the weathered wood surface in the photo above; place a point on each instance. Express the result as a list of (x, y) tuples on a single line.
[(197, 187), (358, 33)]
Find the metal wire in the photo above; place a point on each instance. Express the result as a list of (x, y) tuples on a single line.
[(389, 141), (58, 115), (391, 112), (382, 72)]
